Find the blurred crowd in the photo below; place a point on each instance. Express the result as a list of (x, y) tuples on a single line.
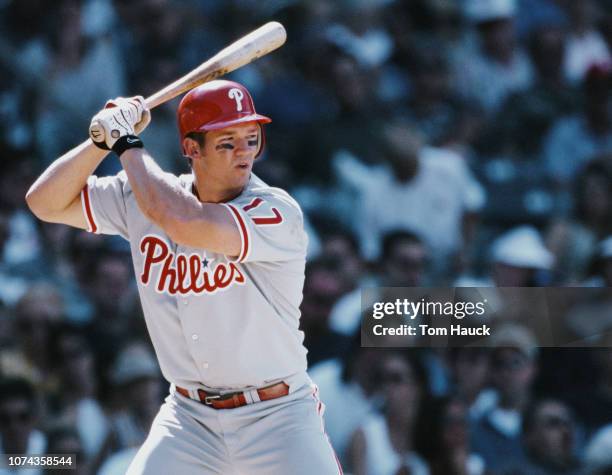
[(429, 143)]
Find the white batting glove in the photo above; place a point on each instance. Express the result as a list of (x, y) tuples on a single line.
[(120, 117), (145, 117)]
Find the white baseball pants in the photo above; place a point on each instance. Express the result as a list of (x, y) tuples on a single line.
[(276, 437)]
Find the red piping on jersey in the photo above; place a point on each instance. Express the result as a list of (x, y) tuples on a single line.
[(253, 204), (243, 231), (88, 213)]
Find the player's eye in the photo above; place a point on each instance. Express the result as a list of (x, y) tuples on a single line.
[(225, 146), (252, 142)]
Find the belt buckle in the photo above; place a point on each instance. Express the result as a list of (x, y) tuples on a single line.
[(208, 400)]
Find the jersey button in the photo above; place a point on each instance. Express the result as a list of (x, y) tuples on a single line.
[(194, 337), (185, 302), (205, 365)]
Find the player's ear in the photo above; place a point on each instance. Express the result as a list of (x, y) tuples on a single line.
[(191, 148)]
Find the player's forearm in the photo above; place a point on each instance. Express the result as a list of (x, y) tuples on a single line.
[(63, 180), (158, 194), (176, 210)]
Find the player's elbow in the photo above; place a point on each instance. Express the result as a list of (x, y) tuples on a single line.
[(30, 201), (38, 206)]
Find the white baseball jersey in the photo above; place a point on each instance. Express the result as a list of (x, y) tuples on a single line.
[(216, 322)]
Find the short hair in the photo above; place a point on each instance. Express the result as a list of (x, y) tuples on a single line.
[(199, 137), (17, 388), (393, 238)]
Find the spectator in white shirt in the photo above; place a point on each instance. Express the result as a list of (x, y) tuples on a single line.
[(426, 190)]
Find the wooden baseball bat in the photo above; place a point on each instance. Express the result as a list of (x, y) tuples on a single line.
[(254, 45)]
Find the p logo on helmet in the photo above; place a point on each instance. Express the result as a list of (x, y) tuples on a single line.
[(237, 95), (207, 107)]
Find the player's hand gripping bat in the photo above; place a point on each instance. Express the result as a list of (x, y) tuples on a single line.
[(254, 45)]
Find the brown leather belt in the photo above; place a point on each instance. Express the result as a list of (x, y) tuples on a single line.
[(238, 399)]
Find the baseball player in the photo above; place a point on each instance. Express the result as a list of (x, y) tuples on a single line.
[(219, 259)]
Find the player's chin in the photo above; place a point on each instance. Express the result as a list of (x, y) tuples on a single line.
[(241, 174)]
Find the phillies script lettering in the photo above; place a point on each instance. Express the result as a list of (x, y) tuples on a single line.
[(184, 274)]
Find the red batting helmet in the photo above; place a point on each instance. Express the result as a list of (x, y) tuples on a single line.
[(216, 105)]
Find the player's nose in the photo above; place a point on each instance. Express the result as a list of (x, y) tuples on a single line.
[(244, 147)]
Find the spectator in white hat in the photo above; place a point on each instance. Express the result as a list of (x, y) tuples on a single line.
[(519, 258), (497, 66), (518, 255)]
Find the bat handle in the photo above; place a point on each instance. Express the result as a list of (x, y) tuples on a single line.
[(153, 100), (161, 96)]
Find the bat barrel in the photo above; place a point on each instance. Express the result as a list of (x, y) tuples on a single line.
[(254, 45)]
